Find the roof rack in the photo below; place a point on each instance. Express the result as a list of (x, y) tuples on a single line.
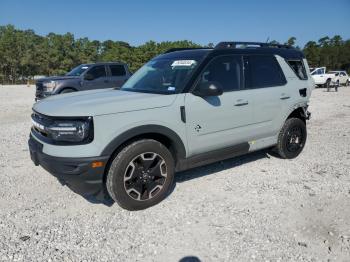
[(183, 48), (223, 45)]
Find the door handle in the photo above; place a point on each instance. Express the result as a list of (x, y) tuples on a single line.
[(284, 96), (241, 102)]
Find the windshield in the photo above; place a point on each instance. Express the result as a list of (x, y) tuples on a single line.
[(77, 71), (162, 76)]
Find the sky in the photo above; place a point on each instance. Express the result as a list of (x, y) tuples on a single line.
[(201, 21)]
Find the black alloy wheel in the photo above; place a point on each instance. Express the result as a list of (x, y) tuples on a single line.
[(145, 176)]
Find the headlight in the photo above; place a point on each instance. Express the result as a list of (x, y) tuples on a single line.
[(72, 131), (50, 86)]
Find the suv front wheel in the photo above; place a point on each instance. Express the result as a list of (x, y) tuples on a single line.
[(292, 138), (141, 175)]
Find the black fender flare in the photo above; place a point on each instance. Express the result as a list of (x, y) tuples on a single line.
[(59, 91), (144, 130)]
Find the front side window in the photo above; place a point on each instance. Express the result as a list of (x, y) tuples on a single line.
[(117, 70), (77, 71), (298, 68), (319, 71), (225, 70), (262, 71), (97, 72), (161, 76)]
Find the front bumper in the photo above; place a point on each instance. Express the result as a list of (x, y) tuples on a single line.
[(77, 173), (40, 92)]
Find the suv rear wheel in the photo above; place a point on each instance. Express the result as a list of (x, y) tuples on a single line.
[(292, 138), (141, 175)]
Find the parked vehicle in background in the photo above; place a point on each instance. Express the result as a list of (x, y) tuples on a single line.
[(342, 77), (84, 77), (182, 109), (321, 78)]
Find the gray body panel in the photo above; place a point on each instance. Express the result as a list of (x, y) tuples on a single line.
[(211, 123)]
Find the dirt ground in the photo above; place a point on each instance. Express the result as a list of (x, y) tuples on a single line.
[(255, 207)]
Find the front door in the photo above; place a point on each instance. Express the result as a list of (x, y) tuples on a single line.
[(96, 78), (219, 121), (318, 76)]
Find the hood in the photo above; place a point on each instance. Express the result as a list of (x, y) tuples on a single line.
[(56, 78), (100, 102)]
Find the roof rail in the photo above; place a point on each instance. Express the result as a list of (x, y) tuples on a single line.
[(223, 45), (183, 48)]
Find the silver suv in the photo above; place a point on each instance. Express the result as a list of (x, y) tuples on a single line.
[(184, 108)]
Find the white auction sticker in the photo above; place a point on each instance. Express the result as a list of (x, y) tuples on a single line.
[(186, 63)]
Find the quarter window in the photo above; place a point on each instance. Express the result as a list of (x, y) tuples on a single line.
[(225, 70), (97, 71), (298, 68), (262, 71), (117, 70)]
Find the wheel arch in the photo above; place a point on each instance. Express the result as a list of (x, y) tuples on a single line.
[(298, 112), (67, 87), (160, 133)]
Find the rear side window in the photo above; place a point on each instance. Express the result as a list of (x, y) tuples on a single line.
[(117, 70), (262, 71), (298, 68), (97, 71), (226, 70)]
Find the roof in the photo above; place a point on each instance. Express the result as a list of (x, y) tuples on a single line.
[(228, 48), (186, 53)]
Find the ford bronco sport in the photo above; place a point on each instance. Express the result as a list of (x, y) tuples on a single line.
[(84, 77), (182, 109)]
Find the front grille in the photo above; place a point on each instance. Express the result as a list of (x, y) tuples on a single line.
[(39, 89), (42, 120)]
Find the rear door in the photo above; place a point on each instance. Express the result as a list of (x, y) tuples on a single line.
[(118, 75), (96, 78), (218, 122), (265, 84)]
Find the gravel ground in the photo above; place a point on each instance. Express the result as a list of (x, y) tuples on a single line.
[(255, 207)]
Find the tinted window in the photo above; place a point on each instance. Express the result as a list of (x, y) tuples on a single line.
[(162, 76), (97, 71), (226, 70), (319, 71), (298, 68), (263, 71), (117, 70)]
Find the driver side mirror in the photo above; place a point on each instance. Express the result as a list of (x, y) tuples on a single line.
[(209, 88), (89, 77)]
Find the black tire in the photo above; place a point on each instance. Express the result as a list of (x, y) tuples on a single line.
[(328, 84), (347, 83), (67, 90), (131, 172), (292, 138), (336, 86)]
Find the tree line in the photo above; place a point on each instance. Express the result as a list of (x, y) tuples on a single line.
[(24, 54)]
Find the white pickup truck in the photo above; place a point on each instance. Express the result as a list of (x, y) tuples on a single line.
[(342, 77), (323, 79)]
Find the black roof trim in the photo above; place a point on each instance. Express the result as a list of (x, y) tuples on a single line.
[(223, 45), (223, 48), (183, 49)]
